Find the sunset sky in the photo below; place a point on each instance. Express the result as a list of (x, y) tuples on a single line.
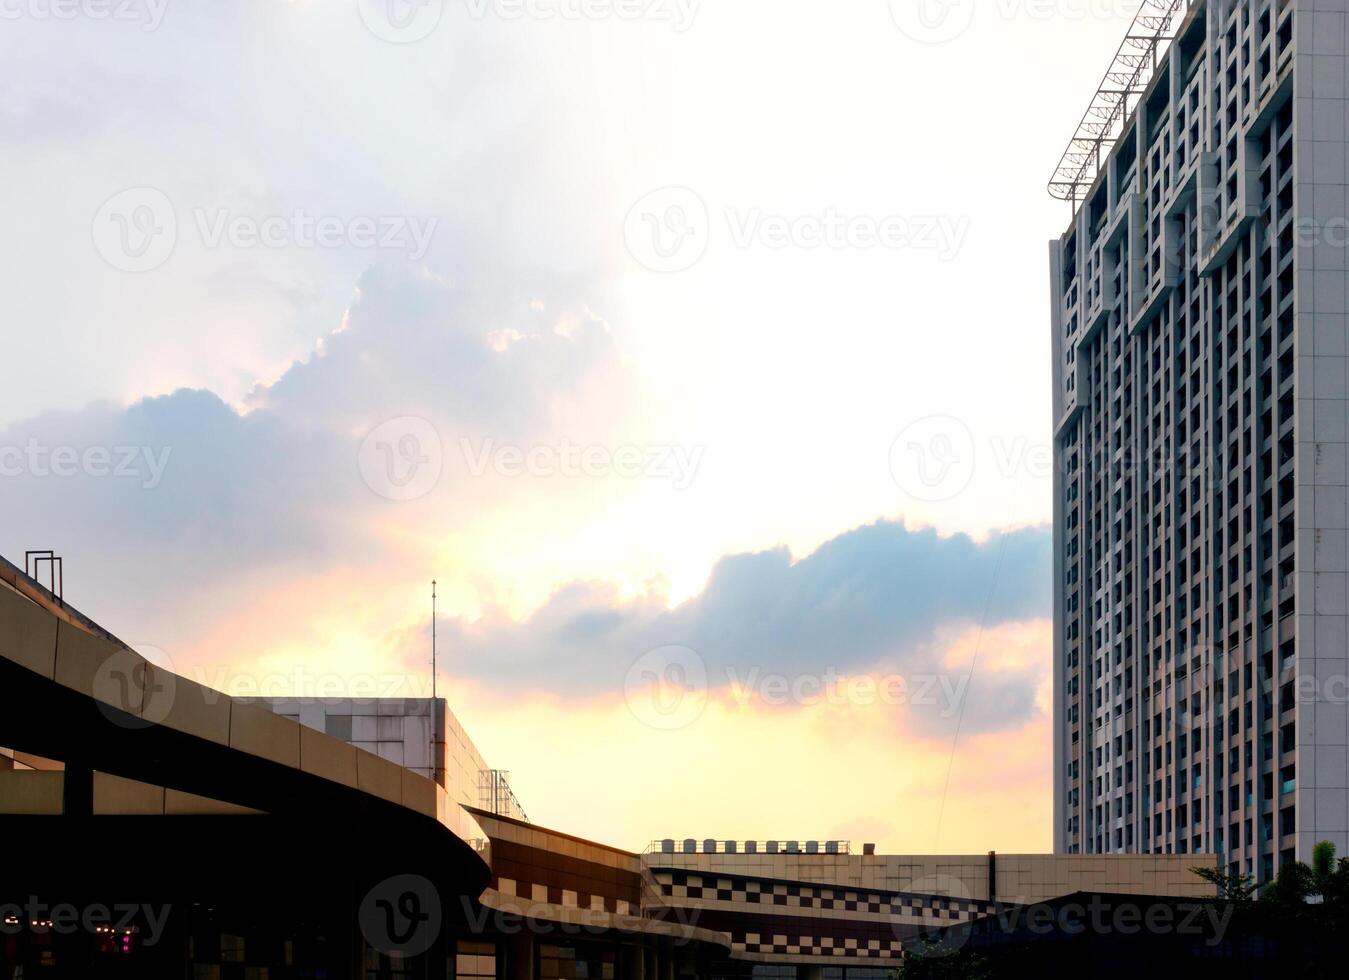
[(702, 345)]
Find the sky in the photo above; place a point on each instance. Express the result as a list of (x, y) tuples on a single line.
[(698, 350)]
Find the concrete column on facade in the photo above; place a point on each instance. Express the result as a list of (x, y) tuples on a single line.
[(77, 792), (666, 963), (686, 961), (634, 965), (520, 957)]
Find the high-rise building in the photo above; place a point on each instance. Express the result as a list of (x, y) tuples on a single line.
[(1201, 405)]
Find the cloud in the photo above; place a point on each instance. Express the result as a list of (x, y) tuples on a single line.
[(151, 501), (416, 344), (881, 599), (188, 477)]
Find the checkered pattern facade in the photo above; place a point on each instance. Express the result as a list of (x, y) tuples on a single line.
[(528, 893), (772, 917)]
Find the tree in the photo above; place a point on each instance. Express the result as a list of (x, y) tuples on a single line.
[(962, 965), (1293, 886), (1231, 885), (1324, 880)]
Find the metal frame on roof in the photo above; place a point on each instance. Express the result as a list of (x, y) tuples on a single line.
[(1150, 34)]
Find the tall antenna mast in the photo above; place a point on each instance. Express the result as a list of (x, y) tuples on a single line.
[(433, 639)]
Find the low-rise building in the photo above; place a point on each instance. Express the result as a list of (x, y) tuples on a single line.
[(152, 826)]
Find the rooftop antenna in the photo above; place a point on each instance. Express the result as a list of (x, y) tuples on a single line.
[(1150, 35), (31, 562), (433, 639)]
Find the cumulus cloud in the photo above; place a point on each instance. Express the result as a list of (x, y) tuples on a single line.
[(881, 599), (480, 362), (174, 508), (151, 500)]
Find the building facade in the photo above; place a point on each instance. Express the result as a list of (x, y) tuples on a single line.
[(155, 827), (806, 903), (420, 734), (1201, 411)]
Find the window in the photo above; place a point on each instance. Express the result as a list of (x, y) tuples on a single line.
[(576, 963), (475, 961)]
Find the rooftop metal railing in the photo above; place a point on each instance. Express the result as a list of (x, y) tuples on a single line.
[(709, 845), (1115, 99)]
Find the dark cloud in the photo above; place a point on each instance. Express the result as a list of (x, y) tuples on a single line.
[(189, 482), (871, 600), (418, 345), (213, 495), (215, 502)]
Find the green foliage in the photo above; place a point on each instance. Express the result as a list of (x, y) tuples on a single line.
[(1231, 885), (1323, 860), (1335, 889), (1324, 882), (943, 965), (1294, 885)]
